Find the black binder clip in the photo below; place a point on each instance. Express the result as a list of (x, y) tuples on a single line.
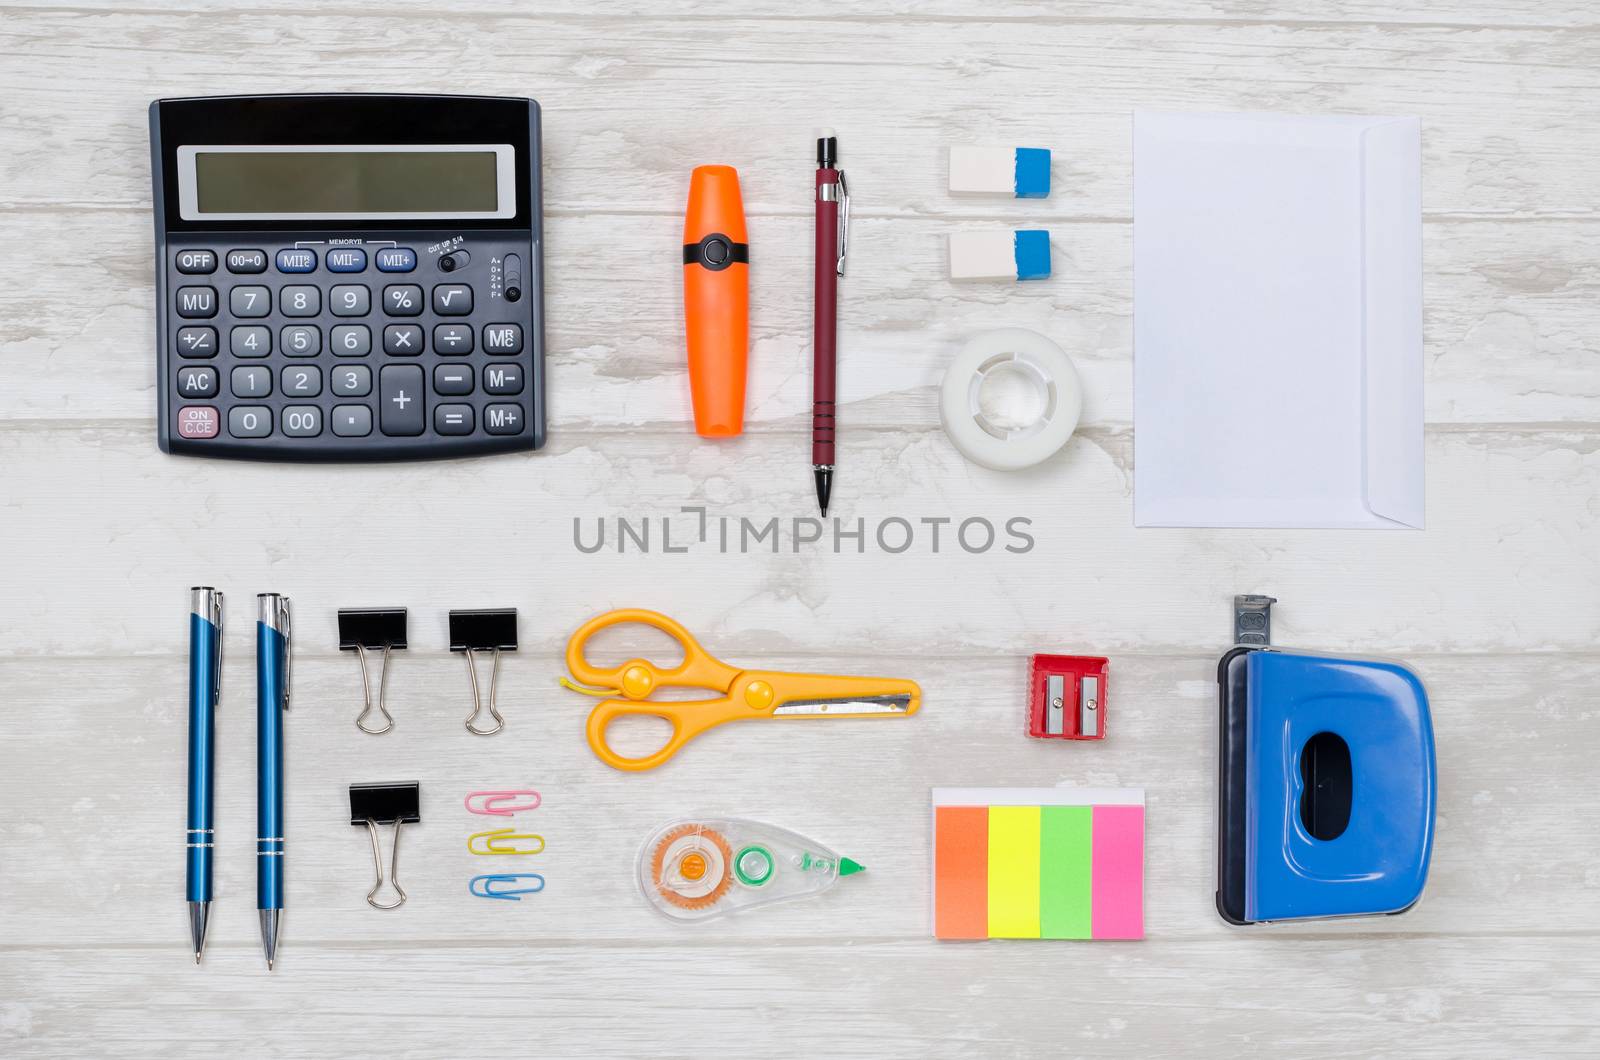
[(492, 630), (361, 628), (375, 804)]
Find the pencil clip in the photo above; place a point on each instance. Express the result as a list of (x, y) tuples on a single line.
[(361, 628), (844, 220), (375, 804), (483, 886), (274, 612), (216, 650), (490, 806), (493, 630), (493, 840)]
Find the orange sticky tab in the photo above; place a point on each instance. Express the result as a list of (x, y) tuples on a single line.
[(961, 872)]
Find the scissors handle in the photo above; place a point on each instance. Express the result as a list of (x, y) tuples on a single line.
[(637, 678), (686, 725)]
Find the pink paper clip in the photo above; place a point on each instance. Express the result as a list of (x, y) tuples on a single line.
[(490, 806)]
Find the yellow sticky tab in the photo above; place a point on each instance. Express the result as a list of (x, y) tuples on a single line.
[(1014, 872)]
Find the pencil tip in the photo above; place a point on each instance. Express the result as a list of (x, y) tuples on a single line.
[(824, 481)]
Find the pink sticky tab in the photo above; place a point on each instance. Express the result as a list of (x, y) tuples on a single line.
[(1117, 870)]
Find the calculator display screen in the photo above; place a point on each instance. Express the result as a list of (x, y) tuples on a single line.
[(366, 181)]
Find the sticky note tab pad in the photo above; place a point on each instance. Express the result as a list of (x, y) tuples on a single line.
[(1038, 863), (1000, 255), (1021, 172)]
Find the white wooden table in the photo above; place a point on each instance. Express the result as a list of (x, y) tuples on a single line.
[(1497, 603)]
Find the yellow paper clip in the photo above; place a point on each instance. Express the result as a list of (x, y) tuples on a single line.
[(493, 839)]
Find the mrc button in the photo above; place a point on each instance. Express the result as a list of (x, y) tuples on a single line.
[(297, 260)]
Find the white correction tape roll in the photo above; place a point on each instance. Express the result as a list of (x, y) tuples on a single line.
[(1009, 443)]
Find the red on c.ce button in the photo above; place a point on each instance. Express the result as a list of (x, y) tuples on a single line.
[(198, 421)]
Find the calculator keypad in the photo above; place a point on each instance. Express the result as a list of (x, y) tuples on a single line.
[(314, 351)]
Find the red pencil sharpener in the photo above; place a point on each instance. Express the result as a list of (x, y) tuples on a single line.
[(1067, 697)]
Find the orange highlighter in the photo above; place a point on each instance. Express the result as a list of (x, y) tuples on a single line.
[(716, 300)]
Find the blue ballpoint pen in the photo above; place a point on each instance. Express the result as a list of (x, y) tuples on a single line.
[(205, 687), (272, 699)]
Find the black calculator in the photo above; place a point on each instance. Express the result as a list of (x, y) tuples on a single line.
[(348, 277)]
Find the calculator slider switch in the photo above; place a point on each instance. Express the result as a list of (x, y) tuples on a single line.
[(456, 259), (513, 277)]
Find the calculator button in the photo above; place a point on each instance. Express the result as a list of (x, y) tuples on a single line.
[(300, 301), (197, 261), (302, 421), (402, 340), (251, 341), (400, 396), (502, 338), (247, 261), (350, 300), (502, 378), (198, 421), (352, 421), (345, 259), (503, 419), (452, 419), (452, 338), (197, 302), (297, 260), (396, 259), (301, 380), (351, 340), (197, 381), (350, 380), (452, 380), (250, 301), (402, 300), (300, 340), (197, 342), (250, 421), (452, 299), (251, 380)]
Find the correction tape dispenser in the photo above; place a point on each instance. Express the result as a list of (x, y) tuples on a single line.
[(705, 867)]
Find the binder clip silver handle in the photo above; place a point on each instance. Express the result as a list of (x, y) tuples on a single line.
[(366, 692), (377, 865), (477, 700)]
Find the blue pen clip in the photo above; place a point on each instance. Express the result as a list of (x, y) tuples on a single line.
[(483, 886)]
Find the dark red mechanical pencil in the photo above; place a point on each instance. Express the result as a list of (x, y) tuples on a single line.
[(833, 219)]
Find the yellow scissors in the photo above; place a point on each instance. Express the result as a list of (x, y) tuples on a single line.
[(747, 693)]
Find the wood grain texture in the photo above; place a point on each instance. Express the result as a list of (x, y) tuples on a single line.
[(1496, 604)]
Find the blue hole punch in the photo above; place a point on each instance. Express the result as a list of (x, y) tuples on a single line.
[(485, 886), (1327, 788)]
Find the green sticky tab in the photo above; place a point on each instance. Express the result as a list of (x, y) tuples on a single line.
[(848, 867), (1065, 872)]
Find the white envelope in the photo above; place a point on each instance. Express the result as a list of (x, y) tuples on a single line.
[(1277, 308)]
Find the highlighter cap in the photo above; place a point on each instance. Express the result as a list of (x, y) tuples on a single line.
[(715, 205)]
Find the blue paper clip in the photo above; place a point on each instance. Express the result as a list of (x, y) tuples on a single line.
[(487, 890)]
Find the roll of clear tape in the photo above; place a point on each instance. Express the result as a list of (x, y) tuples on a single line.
[(1001, 443)]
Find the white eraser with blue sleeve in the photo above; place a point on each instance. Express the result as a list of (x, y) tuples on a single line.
[(1000, 255), (1020, 172)]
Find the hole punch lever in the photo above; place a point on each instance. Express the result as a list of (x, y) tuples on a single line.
[(495, 631), (364, 628), (375, 804)]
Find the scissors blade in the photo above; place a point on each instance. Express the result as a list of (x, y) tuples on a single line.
[(846, 705)]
